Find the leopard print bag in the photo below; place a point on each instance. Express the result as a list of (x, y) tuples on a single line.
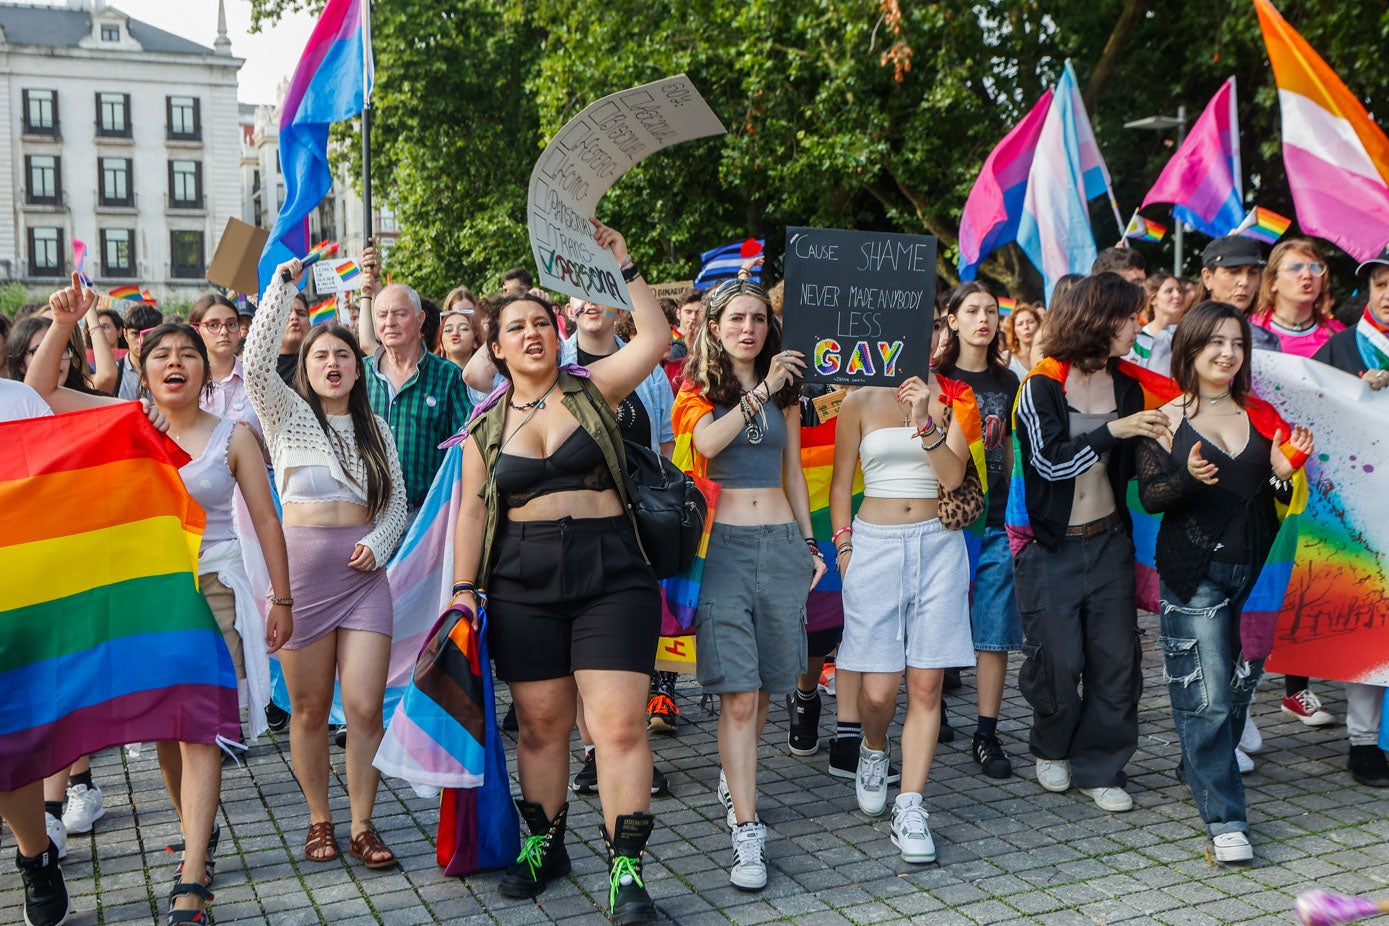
[(962, 506)]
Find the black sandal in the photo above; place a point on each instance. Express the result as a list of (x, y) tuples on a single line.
[(209, 861), (185, 917)]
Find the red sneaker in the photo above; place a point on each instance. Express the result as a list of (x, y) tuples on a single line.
[(1307, 708)]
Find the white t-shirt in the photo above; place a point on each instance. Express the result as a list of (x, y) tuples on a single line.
[(18, 401)]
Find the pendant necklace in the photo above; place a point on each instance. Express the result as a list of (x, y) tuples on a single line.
[(757, 431), (1214, 400), (538, 403)]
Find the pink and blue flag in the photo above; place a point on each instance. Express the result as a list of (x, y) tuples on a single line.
[(331, 83), (991, 214), (79, 261), (1202, 181), (1067, 172)]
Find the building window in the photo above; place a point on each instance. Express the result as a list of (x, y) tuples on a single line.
[(186, 248), (40, 112), (112, 114), (185, 123), (117, 252), (110, 33), (45, 252), (185, 184), (115, 182), (45, 185)]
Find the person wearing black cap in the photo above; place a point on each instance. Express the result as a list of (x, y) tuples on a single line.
[(1363, 351), (1231, 268)]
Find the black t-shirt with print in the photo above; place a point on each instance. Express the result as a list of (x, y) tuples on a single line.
[(995, 399)]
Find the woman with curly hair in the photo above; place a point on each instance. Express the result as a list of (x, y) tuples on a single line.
[(739, 410)]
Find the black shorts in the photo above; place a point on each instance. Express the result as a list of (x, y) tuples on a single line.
[(571, 594), (820, 643)]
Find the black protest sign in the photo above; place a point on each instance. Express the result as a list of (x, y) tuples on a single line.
[(860, 304)]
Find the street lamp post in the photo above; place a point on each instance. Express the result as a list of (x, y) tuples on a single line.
[(1162, 124)]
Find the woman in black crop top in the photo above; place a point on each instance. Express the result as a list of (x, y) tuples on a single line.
[(1215, 480), (573, 606)]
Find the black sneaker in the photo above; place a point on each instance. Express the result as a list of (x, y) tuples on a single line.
[(45, 893), (947, 732), (803, 737), (659, 783), (337, 732), (586, 782), (844, 760), (952, 681), (1368, 766), (509, 723), (990, 756), (277, 717)]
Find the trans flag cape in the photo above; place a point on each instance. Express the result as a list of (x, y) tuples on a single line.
[(104, 636), (1262, 608)]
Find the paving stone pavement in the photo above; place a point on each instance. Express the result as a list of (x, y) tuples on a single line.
[(1010, 853)]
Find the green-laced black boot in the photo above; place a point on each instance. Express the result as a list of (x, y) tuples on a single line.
[(543, 857), (631, 904)]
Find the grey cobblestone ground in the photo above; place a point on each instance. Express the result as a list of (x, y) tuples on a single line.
[(1010, 853)]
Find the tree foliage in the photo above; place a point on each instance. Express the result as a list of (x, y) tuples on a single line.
[(846, 113)]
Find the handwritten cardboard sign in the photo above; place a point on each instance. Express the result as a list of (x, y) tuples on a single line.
[(325, 279), (584, 160), (860, 304), (672, 290)]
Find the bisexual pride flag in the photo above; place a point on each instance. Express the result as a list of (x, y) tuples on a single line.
[(104, 636)]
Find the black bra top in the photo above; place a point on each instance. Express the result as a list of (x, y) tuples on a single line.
[(576, 464)]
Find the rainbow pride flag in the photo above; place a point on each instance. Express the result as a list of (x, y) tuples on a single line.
[(349, 273), (1141, 229), (127, 294), (1006, 305), (1263, 225), (824, 608), (104, 636), (325, 312), (965, 408)]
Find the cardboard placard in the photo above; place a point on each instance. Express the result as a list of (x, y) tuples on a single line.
[(672, 290), (326, 281), (827, 405), (584, 160), (860, 304), (235, 263)]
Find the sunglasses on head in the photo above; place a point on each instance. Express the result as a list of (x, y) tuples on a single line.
[(728, 289)]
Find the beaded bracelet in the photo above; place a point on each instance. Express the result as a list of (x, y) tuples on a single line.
[(282, 602), (935, 445)]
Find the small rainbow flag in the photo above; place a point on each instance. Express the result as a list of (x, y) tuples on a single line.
[(127, 294), (1006, 305), (325, 312), (1263, 225), (125, 648), (148, 297), (348, 272), (1141, 229), (322, 249)]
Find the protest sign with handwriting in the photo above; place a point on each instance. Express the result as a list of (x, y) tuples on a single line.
[(584, 160), (860, 304)]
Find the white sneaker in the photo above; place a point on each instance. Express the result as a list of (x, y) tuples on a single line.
[(870, 784), (85, 807), (1250, 739), (1114, 800), (910, 833), (1246, 764), (1233, 847), (749, 872), (1054, 774), (58, 833)]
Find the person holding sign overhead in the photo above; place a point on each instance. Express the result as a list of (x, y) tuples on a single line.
[(740, 414)]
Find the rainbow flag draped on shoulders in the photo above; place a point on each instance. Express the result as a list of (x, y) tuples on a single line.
[(964, 407), (1266, 599), (104, 636)]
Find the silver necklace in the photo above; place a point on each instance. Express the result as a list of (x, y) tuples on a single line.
[(1214, 400)]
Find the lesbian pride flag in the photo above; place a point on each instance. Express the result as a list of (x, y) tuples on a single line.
[(331, 83), (1336, 158), (994, 206), (1202, 180), (104, 636)]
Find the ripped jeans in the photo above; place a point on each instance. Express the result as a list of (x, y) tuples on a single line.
[(1210, 686)]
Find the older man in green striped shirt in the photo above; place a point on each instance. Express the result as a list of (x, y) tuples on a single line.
[(419, 394)]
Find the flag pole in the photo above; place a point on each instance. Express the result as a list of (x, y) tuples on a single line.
[(367, 74)]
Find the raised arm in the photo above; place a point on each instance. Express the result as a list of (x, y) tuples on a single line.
[(105, 375), (618, 374), (371, 282), (67, 305), (272, 399)]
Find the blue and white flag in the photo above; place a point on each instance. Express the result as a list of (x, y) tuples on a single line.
[(723, 263)]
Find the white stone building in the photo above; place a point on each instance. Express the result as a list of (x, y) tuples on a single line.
[(122, 136)]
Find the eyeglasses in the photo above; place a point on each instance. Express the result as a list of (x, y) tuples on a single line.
[(1316, 268), (218, 327)]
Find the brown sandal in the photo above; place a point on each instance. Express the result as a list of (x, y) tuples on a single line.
[(368, 847), (321, 845)]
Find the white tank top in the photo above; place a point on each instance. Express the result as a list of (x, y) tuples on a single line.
[(209, 480), (895, 466)]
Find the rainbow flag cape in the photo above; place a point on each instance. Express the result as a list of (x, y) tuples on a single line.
[(325, 312), (104, 636), (824, 608), (965, 408), (1263, 225)]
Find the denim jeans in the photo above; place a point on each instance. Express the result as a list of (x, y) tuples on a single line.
[(1210, 685)]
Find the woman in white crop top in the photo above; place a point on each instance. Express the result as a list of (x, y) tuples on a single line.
[(344, 512), (174, 369), (897, 542)]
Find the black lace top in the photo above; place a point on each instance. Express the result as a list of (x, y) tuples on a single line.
[(1198, 518)]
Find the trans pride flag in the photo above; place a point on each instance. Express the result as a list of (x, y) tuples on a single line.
[(1203, 181), (104, 636), (330, 84)]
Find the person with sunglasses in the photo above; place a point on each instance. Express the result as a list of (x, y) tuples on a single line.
[(739, 408), (1294, 301)]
